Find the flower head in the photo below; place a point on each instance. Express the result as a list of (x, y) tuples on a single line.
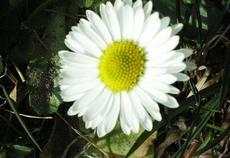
[(122, 65)]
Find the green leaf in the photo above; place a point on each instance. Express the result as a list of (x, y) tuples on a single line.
[(118, 144), (40, 75), (88, 3), (42, 72), (85, 3), (23, 150), (144, 136)]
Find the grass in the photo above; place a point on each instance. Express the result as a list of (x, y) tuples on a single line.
[(33, 118)]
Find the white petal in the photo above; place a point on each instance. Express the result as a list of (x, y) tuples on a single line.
[(113, 114), (140, 112), (101, 130), (77, 58), (99, 26), (164, 22), (75, 28), (155, 71), (169, 45), (88, 45), (71, 93), (150, 105), (148, 8), (101, 118), (158, 85), (171, 102), (176, 68), (166, 59), (68, 82), (78, 71), (127, 113), (124, 126), (177, 28), (128, 2), (98, 105), (77, 67), (181, 76), (72, 110), (155, 94), (166, 78), (190, 66), (72, 44), (89, 98), (94, 123), (137, 5), (187, 52), (138, 23), (127, 20), (160, 38), (161, 97), (151, 26), (86, 27), (118, 4), (72, 70), (113, 23)]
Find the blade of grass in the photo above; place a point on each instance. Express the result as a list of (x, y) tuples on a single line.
[(19, 72), (224, 88), (215, 127), (194, 91), (197, 109), (213, 104), (18, 117), (215, 142), (206, 140), (82, 135), (184, 105)]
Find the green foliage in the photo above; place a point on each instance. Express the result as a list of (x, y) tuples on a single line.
[(33, 116), (21, 150), (42, 71), (194, 13)]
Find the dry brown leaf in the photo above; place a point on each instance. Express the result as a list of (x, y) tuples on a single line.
[(13, 93)]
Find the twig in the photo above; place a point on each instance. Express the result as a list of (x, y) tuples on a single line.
[(81, 135), (4, 73), (68, 147), (11, 103), (30, 116)]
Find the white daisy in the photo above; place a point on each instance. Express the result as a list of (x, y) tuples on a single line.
[(121, 66)]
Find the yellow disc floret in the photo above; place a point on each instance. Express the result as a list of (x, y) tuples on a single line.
[(121, 65)]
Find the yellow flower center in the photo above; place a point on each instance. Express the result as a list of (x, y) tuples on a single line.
[(121, 65)]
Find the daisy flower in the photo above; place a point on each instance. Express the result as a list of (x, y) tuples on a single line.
[(121, 66)]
